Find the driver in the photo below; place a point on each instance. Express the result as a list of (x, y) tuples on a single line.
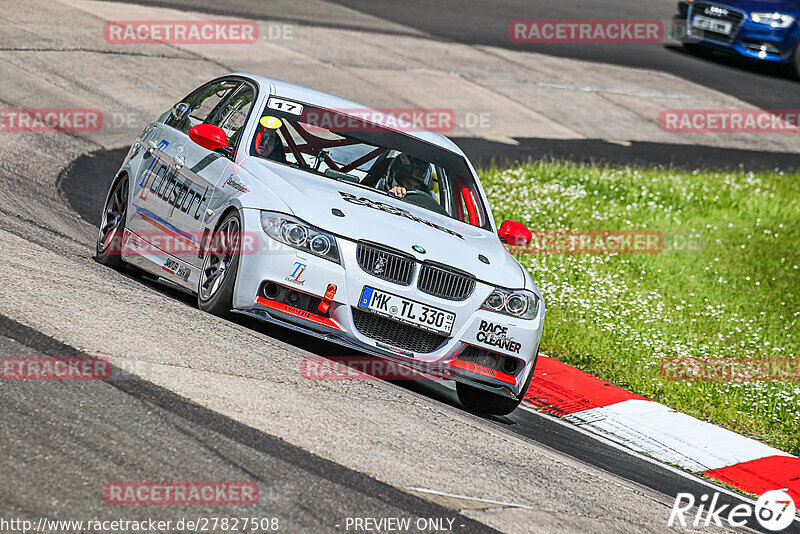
[(268, 144), (406, 174)]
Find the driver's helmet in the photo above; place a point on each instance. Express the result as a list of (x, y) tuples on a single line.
[(405, 168)]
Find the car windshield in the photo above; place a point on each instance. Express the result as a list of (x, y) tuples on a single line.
[(345, 146)]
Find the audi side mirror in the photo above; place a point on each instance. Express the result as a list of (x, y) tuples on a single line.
[(514, 233)]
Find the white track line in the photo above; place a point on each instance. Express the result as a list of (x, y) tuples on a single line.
[(467, 498), (673, 469)]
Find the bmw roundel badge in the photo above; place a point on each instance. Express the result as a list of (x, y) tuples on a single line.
[(419, 249)]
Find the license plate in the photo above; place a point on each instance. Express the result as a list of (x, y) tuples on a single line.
[(407, 311), (713, 25)]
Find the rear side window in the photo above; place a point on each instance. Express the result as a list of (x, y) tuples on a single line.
[(232, 116), (203, 104), (203, 108)]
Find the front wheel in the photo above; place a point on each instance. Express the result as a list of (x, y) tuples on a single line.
[(794, 69), (482, 401), (221, 262), (485, 402), (112, 224)]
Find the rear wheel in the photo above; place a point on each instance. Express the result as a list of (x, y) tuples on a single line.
[(221, 262), (112, 225)]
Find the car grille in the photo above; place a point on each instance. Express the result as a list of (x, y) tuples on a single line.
[(444, 283), (489, 359), (391, 266), (395, 333), (734, 17)]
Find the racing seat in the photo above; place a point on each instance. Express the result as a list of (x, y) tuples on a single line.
[(377, 171), (278, 153)]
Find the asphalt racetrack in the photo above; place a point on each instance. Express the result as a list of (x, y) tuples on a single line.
[(196, 397)]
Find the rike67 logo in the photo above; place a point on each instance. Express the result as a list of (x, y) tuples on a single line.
[(775, 510)]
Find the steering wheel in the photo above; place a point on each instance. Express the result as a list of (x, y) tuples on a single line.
[(424, 200)]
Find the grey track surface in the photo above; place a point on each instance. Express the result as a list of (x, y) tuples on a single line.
[(63, 441), (486, 22)]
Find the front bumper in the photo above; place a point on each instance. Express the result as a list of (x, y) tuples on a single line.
[(310, 275), (750, 40)]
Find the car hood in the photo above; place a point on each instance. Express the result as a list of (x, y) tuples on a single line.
[(378, 218), (782, 6)]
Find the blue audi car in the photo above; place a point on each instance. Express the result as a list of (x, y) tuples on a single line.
[(766, 30)]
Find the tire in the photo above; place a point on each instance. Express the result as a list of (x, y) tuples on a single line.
[(220, 265), (484, 402), (112, 224), (794, 67)]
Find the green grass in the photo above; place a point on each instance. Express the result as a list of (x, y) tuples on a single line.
[(727, 284)]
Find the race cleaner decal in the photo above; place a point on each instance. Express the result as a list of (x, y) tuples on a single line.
[(494, 335), (169, 187), (388, 208)]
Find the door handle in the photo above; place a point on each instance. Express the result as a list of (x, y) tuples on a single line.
[(151, 146), (178, 161)]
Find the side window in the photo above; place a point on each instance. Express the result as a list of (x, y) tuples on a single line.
[(194, 95), (203, 108), (205, 102), (232, 116)]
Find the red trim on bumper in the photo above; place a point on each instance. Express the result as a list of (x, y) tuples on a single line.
[(481, 370), (297, 312)]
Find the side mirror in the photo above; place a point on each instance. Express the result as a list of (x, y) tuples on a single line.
[(210, 137), (514, 233), (179, 111)]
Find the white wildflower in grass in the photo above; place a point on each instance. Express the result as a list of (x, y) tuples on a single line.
[(706, 295)]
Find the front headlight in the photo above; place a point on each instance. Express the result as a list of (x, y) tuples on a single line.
[(520, 303), (776, 20), (300, 235)]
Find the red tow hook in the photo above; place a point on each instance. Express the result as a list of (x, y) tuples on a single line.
[(326, 300)]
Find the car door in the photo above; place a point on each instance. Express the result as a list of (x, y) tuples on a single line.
[(209, 173), (159, 184)]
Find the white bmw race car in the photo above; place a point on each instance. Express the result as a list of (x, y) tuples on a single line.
[(338, 220)]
